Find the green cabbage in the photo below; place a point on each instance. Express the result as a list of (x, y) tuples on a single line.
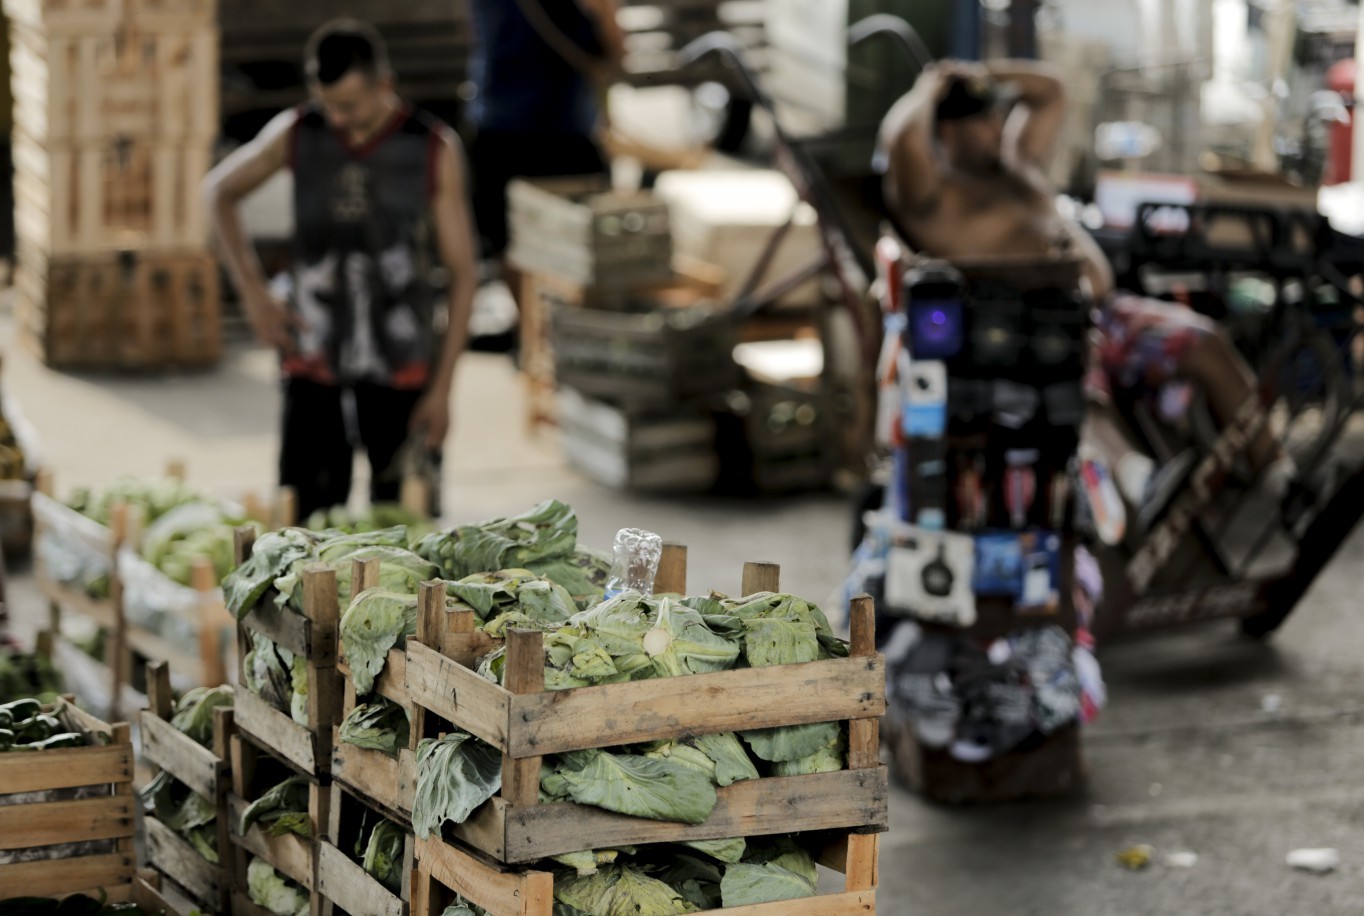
[(659, 789), (697, 880), (791, 742), (732, 763), (589, 861), (828, 759), (548, 531), (383, 858), (455, 775), (281, 810), (374, 623), (379, 726), (519, 590), (268, 671), (728, 851), (781, 871), (680, 643), (269, 889), (194, 713), (583, 573), (274, 554), (620, 890)]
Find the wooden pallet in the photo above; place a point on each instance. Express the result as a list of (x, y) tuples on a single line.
[(342, 884), (525, 723), (108, 816), (148, 311), (255, 770), (179, 875), (84, 17), (445, 869), (311, 635), (386, 782), (110, 195)]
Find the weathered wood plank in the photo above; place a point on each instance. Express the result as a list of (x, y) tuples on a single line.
[(388, 782), (280, 732), (524, 674), (179, 755), (613, 714), (280, 625), (342, 881), (50, 877), (845, 904), (290, 855), (823, 801), (509, 892), (454, 692), (180, 862), (67, 769), (50, 823)]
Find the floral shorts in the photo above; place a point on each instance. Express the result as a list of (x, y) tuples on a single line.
[(1141, 342)]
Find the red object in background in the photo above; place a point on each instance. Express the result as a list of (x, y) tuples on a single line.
[(1340, 151), (889, 270)]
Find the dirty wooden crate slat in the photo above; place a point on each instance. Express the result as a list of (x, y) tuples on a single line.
[(106, 818), (446, 868), (525, 722), (254, 771), (342, 884)]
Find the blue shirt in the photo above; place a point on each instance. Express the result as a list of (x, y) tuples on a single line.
[(522, 84)]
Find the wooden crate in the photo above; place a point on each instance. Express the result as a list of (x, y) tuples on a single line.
[(16, 517), (254, 771), (582, 231), (110, 195), (177, 874), (56, 524), (99, 312), (107, 817), (209, 666), (525, 722), (84, 17), (342, 884), (672, 451), (311, 635), (448, 868), (149, 83)]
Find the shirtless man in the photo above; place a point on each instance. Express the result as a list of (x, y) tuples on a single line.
[(964, 176)]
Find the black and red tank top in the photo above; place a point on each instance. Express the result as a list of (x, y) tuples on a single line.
[(364, 251)]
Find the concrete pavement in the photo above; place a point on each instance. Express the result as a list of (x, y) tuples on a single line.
[(1190, 756)]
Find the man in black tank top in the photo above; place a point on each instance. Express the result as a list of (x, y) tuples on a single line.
[(379, 213)]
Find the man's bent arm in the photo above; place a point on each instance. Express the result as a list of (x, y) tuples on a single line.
[(1032, 132), (455, 237), (905, 145), (609, 33), (233, 179)]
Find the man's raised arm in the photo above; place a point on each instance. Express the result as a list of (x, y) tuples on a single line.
[(1030, 134)]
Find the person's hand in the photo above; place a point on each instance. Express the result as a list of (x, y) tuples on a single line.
[(432, 416), (270, 319)]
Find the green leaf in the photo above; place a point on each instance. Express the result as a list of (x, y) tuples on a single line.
[(728, 851), (732, 763), (455, 775), (194, 713), (276, 893), (828, 759), (274, 553), (647, 787), (548, 531), (791, 742), (620, 890), (748, 884), (380, 725), (383, 857), (374, 623), (290, 797), (680, 643)]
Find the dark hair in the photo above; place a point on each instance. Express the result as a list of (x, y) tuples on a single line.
[(344, 46)]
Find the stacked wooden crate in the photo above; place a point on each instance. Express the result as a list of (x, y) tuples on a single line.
[(116, 112), (493, 859)]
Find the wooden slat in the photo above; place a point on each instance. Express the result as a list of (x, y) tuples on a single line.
[(614, 714), (507, 893), (672, 571), (150, 645), (389, 783), (66, 769), (180, 862), (50, 877), (846, 904), (391, 683), (454, 692), (863, 862), (280, 625), (290, 854), (242, 905), (342, 881), (864, 742), (760, 577), (101, 611), (179, 755), (277, 731), (761, 807), (51, 823), (524, 674)]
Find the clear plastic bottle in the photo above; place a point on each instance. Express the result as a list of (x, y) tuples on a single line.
[(635, 564)]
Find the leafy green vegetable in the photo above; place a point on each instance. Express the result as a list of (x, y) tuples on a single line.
[(379, 726), (371, 518), (374, 623), (514, 590), (298, 682), (184, 811), (455, 775), (383, 857), (194, 712), (791, 742), (400, 570), (659, 789), (732, 763), (589, 861), (548, 531), (583, 573), (728, 851), (695, 879), (620, 890), (274, 553), (268, 671), (828, 759), (269, 889), (782, 871), (680, 643), (283, 809)]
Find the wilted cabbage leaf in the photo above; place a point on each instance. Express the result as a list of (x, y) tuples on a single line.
[(455, 775), (274, 554), (680, 643), (400, 570), (728, 851), (583, 573), (732, 763), (493, 594), (780, 871), (194, 713), (283, 809), (658, 789), (381, 725), (374, 623), (269, 889), (589, 861), (298, 681), (383, 858), (828, 759), (620, 890), (791, 742), (182, 810), (548, 531), (697, 880), (268, 671)]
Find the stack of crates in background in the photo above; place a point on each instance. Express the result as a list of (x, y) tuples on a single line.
[(631, 336), (115, 116)]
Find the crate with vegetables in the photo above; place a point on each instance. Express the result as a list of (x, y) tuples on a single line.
[(186, 838), (66, 803), (275, 817), (364, 861)]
